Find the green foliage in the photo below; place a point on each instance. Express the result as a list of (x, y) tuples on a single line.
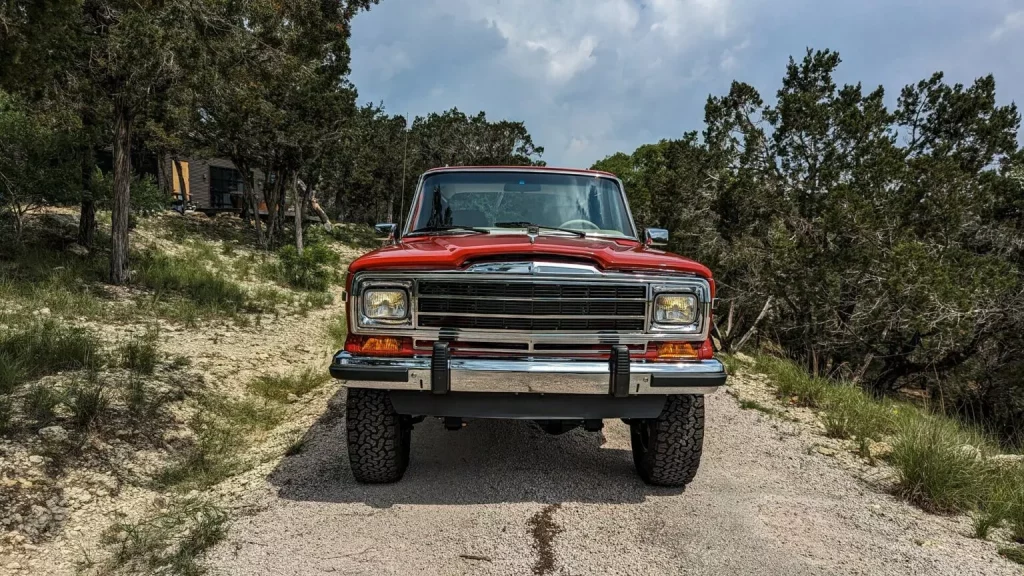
[(337, 332), (314, 269), (139, 354), (370, 178), (356, 235), (213, 456), (6, 414), (41, 403), (278, 387), (1012, 553), (87, 403), (938, 464), (44, 347), (147, 197), (793, 383), (200, 292), (872, 243), (36, 167), (170, 542), (11, 373)]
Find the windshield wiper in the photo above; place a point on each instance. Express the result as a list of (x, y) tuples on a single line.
[(431, 229), (529, 225)]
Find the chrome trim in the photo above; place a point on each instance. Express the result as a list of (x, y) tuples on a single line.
[(365, 321), (535, 316), (532, 376), (569, 172), (656, 283)]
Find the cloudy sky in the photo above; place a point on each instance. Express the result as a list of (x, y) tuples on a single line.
[(591, 77)]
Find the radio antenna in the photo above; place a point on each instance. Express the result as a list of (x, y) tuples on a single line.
[(405, 150)]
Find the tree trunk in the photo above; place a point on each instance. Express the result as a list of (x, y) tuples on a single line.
[(252, 205), (87, 217), (310, 193), (122, 194), (297, 200)]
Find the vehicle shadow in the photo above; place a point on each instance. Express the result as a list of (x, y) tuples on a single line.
[(491, 461)]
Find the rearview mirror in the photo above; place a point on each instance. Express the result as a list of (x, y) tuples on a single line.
[(386, 230), (655, 237)]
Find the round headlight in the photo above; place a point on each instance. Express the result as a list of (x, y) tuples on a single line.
[(675, 309), (385, 304)]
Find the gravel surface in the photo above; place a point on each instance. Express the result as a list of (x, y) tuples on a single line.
[(501, 497)]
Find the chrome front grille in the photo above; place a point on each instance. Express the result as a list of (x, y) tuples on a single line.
[(531, 306)]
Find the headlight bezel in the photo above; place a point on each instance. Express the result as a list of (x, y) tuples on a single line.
[(367, 286), (684, 328)]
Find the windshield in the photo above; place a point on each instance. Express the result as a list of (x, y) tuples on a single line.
[(511, 200)]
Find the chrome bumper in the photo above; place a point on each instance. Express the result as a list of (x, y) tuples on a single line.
[(528, 376)]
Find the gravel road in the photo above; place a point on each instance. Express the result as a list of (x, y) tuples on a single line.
[(504, 498)]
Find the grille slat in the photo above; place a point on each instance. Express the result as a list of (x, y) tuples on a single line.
[(531, 306)]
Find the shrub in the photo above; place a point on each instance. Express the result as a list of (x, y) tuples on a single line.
[(211, 458), (314, 269), (168, 543), (86, 403), (11, 373), (278, 387), (41, 403), (1012, 553), (849, 412), (139, 353), (47, 347), (191, 280), (792, 382), (356, 235), (938, 464), (6, 414)]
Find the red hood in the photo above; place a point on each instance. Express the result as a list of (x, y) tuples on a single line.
[(453, 252)]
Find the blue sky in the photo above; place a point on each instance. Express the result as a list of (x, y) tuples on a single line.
[(592, 77)]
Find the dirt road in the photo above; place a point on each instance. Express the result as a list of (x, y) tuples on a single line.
[(505, 498)]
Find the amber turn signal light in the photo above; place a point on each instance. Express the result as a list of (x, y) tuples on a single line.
[(377, 345), (676, 350)]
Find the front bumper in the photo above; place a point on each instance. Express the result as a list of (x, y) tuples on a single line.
[(618, 377)]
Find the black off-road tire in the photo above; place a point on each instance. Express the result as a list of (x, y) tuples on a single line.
[(378, 437), (667, 449)]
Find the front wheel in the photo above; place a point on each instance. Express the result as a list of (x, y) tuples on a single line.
[(667, 449), (378, 437)]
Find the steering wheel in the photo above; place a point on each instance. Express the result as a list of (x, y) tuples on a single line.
[(579, 223)]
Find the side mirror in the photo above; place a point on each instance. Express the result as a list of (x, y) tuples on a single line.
[(655, 237), (386, 231)]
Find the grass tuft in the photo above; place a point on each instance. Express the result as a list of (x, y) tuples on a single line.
[(87, 402), (1013, 553), (139, 354), (41, 404), (278, 387), (213, 457), (6, 414), (938, 464), (171, 542), (44, 347), (12, 374), (793, 382), (337, 331), (200, 293)]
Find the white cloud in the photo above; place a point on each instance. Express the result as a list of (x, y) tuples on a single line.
[(1011, 22), (730, 56)]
